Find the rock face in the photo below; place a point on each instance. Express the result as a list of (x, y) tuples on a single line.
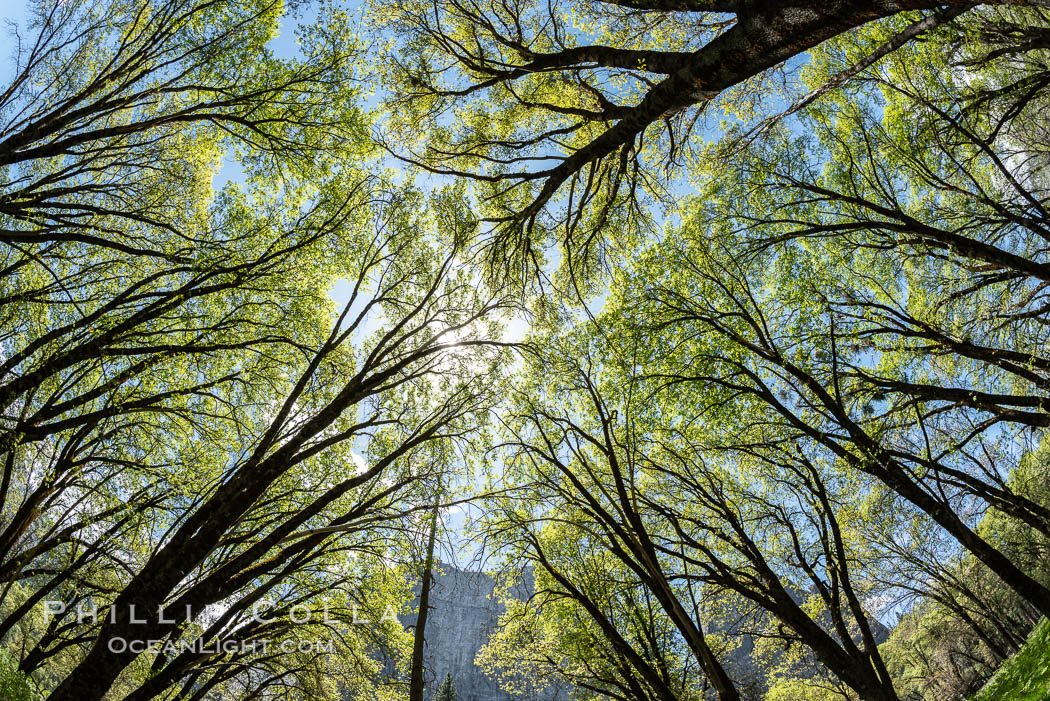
[(460, 622), (464, 614)]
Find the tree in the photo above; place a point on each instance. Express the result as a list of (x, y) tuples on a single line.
[(419, 635), (842, 319), (566, 114), (127, 289), (879, 305), (612, 477), (187, 424), (965, 622), (237, 539), (447, 690)]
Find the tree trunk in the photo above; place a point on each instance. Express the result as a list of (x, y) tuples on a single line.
[(415, 684)]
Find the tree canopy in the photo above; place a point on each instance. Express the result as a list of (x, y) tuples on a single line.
[(570, 114), (774, 428)]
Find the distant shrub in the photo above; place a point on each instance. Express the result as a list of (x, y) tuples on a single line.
[(14, 685)]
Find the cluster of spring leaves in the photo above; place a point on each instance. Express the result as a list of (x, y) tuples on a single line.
[(444, 66)]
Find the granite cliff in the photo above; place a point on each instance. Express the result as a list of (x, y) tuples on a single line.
[(464, 614), (462, 617)]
